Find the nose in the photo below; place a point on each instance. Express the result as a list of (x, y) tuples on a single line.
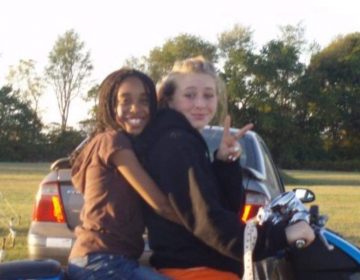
[(134, 108), (199, 102)]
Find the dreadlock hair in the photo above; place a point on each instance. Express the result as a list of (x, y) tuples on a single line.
[(106, 114), (107, 102)]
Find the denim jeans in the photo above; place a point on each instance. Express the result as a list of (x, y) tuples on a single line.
[(108, 266)]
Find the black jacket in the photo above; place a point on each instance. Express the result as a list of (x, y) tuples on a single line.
[(205, 195)]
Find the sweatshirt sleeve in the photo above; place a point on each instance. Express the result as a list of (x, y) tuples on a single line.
[(186, 175), (111, 142), (229, 177)]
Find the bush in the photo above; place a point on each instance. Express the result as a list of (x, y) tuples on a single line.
[(62, 143)]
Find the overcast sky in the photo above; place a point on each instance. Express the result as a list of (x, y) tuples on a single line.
[(114, 30)]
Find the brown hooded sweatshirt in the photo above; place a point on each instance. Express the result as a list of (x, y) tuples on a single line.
[(111, 216)]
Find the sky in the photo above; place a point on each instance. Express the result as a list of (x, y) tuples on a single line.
[(114, 30)]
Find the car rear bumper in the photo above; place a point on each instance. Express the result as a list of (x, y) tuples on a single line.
[(54, 241), (50, 240)]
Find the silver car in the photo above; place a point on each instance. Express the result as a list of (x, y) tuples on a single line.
[(57, 205)]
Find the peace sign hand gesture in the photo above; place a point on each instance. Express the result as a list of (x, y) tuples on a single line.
[(230, 149)]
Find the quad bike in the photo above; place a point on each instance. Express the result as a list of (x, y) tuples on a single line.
[(329, 257)]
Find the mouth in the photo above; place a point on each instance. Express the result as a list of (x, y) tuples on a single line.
[(135, 121), (199, 117)]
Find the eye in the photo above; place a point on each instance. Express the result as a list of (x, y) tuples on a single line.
[(144, 100), (190, 94), (209, 95), (124, 101)]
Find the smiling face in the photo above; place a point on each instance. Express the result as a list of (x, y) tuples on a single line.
[(133, 106), (196, 98)]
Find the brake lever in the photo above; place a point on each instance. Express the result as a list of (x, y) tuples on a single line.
[(320, 232)]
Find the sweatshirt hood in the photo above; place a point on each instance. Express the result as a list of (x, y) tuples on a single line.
[(166, 120), (81, 163)]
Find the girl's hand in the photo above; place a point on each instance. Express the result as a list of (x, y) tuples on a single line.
[(300, 231), (230, 149)]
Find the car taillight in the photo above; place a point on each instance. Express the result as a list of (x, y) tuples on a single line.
[(48, 206), (252, 204)]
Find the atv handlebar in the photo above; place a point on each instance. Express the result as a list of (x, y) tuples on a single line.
[(288, 208)]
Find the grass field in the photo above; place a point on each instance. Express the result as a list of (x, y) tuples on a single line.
[(338, 194), (18, 186)]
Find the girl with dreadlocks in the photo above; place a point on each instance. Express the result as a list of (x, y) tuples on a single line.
[(108, 174)]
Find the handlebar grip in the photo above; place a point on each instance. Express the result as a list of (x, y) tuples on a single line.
[(299, 244)]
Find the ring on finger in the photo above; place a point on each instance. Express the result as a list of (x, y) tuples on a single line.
[(232, 158), (237, 148)]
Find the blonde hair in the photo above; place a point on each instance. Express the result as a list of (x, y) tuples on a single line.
[(167, 86)]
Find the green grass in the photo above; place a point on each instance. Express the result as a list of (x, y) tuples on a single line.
[(322, 178), (18, 186), (338, 194)]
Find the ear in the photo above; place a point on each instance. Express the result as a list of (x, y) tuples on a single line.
[(163, 102), (169, 102)]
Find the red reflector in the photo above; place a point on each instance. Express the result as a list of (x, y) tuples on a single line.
[(253, 203), (48, 206), (250, 211), (246, 213)]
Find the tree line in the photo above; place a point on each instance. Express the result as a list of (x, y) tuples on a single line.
[(303, 100)]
